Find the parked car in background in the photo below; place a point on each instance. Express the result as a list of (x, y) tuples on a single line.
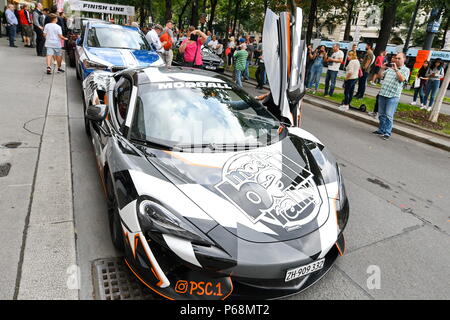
[(75, 30), (110, 47), (211, 61)]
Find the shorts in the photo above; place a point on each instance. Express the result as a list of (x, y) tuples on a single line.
[(27, 31), (54, 51), (375, 70)]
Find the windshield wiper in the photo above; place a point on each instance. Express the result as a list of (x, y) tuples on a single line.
[(152, 144)]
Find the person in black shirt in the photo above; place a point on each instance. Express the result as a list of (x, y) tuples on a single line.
[(420, 84)]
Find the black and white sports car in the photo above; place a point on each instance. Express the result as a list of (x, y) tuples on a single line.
[(209, 196)]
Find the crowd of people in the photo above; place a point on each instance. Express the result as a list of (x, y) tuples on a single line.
[(40, 28), (392, 73), (240, 54), (368, 68)]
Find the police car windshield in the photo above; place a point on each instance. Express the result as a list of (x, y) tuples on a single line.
[(111, 37), (201, 114)]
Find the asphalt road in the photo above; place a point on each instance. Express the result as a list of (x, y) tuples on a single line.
[(398, 235)]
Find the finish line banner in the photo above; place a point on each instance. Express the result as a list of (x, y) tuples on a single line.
[(101, 7)]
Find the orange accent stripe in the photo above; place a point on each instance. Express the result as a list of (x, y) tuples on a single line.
[(153, 267), (146, 283), (231, 291), (189, 162), (339, 249), (136, 242)]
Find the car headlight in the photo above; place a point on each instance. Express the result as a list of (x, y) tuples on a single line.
[(343, 207), (153, 217), (221, 63), (88, 64)]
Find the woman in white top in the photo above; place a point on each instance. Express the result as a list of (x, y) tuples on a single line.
[(351, 77)]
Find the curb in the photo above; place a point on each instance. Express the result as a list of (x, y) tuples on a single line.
[(443, 142), (49, 262)]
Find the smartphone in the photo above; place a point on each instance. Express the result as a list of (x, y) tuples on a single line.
[(193, 37)]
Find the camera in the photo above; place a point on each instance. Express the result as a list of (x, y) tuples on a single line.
[(193, 37)]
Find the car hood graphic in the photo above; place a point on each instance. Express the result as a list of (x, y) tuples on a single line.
[(269, 194), (123, 57)]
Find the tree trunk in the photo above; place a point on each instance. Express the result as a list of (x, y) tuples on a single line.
[(445, 32), (180, 16), (230, 3), (236, 13), (213, 12), (411, 27), (440, 97), (387, 21), (168, 14), (311, 19), (348, 23), (194, 13)]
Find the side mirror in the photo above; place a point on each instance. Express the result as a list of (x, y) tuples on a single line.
[(97, 112)]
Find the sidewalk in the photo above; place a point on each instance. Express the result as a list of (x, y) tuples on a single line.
[(36, 194), (400, 127)]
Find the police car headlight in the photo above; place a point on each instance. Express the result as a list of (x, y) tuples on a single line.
[(153, 217), (88, 64)]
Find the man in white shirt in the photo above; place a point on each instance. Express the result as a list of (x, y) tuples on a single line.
[(213, 43), (334, 62), (153, 38), (53, 36)]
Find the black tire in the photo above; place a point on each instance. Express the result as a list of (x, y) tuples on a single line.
[(78, 73), (115, 227), (71, 55), (363, 108)]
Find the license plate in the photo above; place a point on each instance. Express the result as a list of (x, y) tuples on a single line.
[(210, 67), (304, 270)]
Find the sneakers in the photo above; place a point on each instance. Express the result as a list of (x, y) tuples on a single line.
[(49, 70), (344, 107), (428, 109), (413, 103), (377, 132), (385, 137), (60, 70), (422, 106), (373, 114)]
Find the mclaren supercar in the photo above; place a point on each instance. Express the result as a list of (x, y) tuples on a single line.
[(209, 195)]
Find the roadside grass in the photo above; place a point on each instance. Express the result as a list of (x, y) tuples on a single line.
[(405, 112)]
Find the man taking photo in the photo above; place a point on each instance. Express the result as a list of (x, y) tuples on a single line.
[(395, 74)]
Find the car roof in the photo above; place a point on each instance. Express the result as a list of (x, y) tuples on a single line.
[(105, 24), (176, 74)]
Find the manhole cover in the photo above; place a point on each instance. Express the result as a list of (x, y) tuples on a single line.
[(4, 169), (114, 281), (12, 145)]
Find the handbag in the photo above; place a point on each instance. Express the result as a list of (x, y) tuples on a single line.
[(417, 83)]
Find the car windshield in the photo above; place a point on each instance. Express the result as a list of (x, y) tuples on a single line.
[(126, 38), (199, 114)]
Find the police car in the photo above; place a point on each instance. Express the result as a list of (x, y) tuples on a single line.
[(110, 47)]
